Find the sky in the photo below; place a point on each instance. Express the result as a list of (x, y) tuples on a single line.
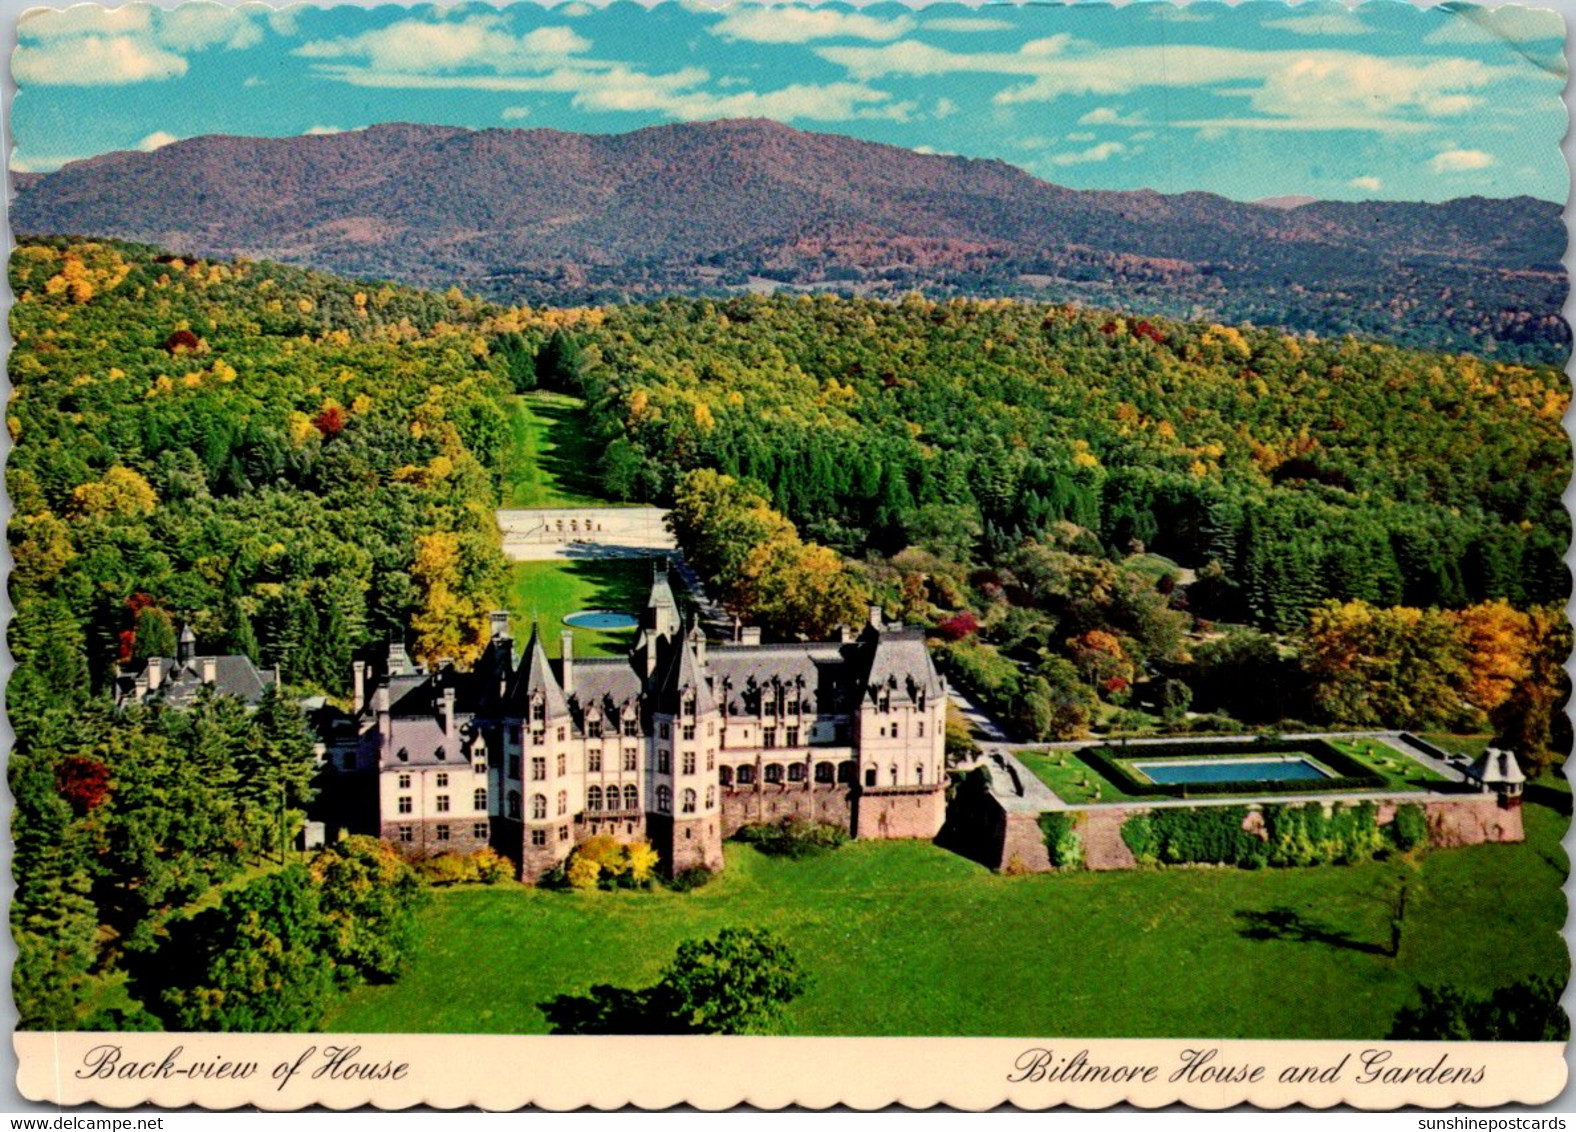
[(1384, 101)]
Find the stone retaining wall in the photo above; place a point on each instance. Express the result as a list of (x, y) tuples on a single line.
[(1013, 842)]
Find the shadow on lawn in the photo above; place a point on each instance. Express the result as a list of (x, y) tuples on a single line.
[(1292, 927), (573, 458), (606, 1009)]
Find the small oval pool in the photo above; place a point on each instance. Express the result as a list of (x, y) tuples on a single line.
[(600, 619)]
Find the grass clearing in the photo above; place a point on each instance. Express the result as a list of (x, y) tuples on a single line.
[(905, 938), (549, 591), (552, 455)]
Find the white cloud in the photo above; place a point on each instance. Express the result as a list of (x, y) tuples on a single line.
[(83, 19), (1080, 136), (195, 27), (1109, 116), (320, 131), (1470, 24), (1102, 152), (156, 140), (1332, 22), (802, 25), (94, 46), (834, 102), (515, 113), (967, 24), (1460, 161), (1367, 184), (93, 61), (253, 80), (945, 108), (1342, 89)]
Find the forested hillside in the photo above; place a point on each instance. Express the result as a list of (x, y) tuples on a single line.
[(544, 216), (1074, 499), (1102, 523)]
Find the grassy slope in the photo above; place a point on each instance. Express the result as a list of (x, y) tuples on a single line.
[(904, 938), (552, 458)]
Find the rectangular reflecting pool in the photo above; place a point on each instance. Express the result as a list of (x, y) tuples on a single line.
[(1290, 768)]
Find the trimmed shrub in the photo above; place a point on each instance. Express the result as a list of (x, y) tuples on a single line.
[(1139, 834), (484, 866), (793, 837), (1061, 839), (696, 876), (1410, 827)]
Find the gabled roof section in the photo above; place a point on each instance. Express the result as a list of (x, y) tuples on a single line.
[(535, 678), (900, 663), (683, 678)]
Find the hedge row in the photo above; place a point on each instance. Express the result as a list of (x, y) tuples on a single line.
[(1294, 835), (1062, 842), (1350, 774)]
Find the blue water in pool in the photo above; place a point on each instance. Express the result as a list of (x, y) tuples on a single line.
[(600, 619), (1171, 772)]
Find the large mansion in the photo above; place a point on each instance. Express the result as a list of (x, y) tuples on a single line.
[(681, 742)]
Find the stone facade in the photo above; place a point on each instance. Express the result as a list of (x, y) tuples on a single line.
[(682, 742)]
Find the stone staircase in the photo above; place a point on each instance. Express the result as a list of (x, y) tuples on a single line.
[(1103, 846)]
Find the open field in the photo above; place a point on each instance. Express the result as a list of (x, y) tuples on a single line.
[(552, 456), (548, 591), (905, 938)]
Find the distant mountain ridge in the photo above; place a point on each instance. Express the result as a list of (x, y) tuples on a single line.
[(546, 216)]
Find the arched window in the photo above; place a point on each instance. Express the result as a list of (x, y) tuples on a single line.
[(538, 807), (593, 797), (796, 772), (711, 796), (893, 772), (514, 804), (725, 775), (631, 798), (746, 776), (689, 801), (664, 800), (825, 772), (919, 773), (774, 773), (563, 802), (481, 799)]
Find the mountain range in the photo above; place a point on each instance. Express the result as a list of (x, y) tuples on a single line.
[(544, 216)]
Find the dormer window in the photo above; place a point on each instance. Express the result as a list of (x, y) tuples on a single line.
[(689, 707), (539, 711), (440, 754), (402, 755)]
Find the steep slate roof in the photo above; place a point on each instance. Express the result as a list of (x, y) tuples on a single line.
[(684, 674), (182, 683), (606, 683), (900, 661), (535, 676), (822, 666)]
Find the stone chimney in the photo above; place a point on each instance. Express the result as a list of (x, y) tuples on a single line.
[(358, 677), (750, 635), (500, 623), (875, 617), (566, 650), (155, 672), (447, 721), (210, 668)]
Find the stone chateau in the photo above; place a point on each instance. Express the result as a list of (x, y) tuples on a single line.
[(681, 742)]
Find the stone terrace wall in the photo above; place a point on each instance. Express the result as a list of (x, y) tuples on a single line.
[(1012, 842)]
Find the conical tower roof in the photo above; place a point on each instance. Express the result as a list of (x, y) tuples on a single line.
[(685, 677), (535, 678)]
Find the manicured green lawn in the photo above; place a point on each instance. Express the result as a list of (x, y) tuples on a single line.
[(1470, 745), (552, 456), (548, 591), (1398, 771), (905, 938), (1070, 778)]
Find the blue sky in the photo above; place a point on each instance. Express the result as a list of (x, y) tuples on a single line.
[(1385, 101)]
